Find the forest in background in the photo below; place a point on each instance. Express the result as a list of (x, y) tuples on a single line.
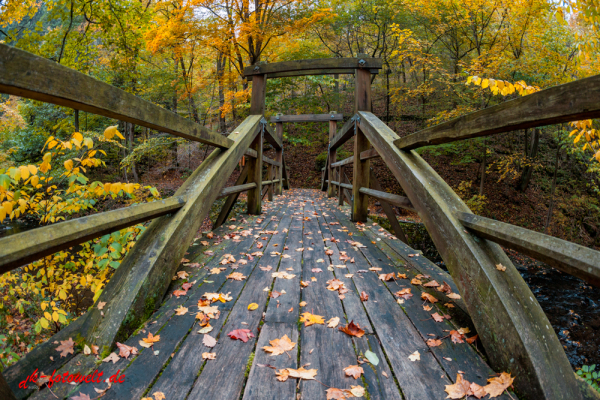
[(442, 59)]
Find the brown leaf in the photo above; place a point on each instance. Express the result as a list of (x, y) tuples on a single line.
[(209, 356), (311, 319), (404, 293), (101, 305), (416, 356), (478, 391), (150, 340), (112, 357), (437, 317), (457, 337), (352, 329), (387, 277), (317, 270), (428, 297), (354, 371), (333, 322), (416, 281), (66, 347), (434, 342), (282, 375), (338, 394), (237, 276), (181, 310), (364, 296), (125, 351), (81, 396), (498, 385), (472, 339), (209, 341), (460, 389), (431, 284), (454, 296), (267, 268), (302, 373), (279, 346), (427, 308), (500, 267)]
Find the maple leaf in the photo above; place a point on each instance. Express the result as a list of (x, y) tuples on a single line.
[(209, 356), (460, 389), (81, 396), (500, 267), (181, 310), (334, 284), (338, 394), (415, 356), (159, 396), (311, 319), (179, 293), (215, 271), (302, 373), (434, 342), (416, 281), (125, 351), (457, 337), (402, 276), (329, 252), (352, 329), (66, 347), (472, 339), (302, 303), (241, 334), (354, 371), (498, 385), (387, 277), (112, 357), (101, 305), (182, 275), (333, 322), (431, 284), (437, 317), (478, 391), (404, 293), (358, 391), (209, 341), (237, 276), (364, 296), (283, 275), (150, 340), (428, 297), (279, 346), (282, 375), (427, 308)]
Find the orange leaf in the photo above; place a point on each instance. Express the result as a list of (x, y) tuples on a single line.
[(311, 319), (352, 329), (354, 371)]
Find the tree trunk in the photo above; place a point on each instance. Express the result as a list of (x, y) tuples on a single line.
[(528, 170), (174, 100), (220, 75), (483, 167), (130, 147), (552, 189), (76, 120)]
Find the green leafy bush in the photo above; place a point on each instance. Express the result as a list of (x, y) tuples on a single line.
[(590, 375)]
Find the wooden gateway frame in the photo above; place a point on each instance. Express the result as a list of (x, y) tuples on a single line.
[(514, 330)]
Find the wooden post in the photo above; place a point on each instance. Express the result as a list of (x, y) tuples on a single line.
[(279, 159), (360, 201), (388, 210), (332, 157), (340, 190), (255, 175), (270, 177), (259, 90)]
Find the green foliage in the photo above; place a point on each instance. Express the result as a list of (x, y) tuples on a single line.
[(475, 202), (590, 375)]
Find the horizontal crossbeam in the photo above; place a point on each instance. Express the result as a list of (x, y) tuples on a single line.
[(317, 64), (23, 248), (323, 71), (393, 199), (344, 185), (30, 76), (236, 189), (308, 118), (569, 102), (568, 257), (272, 138)]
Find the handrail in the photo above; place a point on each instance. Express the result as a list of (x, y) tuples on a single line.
[(236, 189), (344, 185), (308, 118), (19, 249), (316, 64), (399, 201), (27, 75), (272, 138), (343, 135), (345, 161), (568, 257), (569, 102)]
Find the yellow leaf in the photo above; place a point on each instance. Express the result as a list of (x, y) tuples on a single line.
[(78, 136), (252, 306), (485, 83), (109, 132), (24, 172), (62, 295), (69, 165), (88, 142), (44, 323), (55, 316), (47, 315), (8, 207), (35, 180)]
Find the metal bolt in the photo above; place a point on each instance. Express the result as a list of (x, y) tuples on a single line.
[(362, 62)]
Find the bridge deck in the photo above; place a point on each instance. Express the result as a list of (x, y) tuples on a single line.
[(243, 370)]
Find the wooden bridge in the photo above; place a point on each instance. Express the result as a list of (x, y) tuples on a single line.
[(411, 327)]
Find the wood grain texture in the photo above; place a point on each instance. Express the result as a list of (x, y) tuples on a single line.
[(34, 77), (572, 101), (331, 157), (228, 191), (568, 257), (504, 310), (345, 133), (307, 72), (317, 64), (16, 250), (360, 178), (273, 139), (388, 210), (255, 176), (308, 118), (345, 161), (394, 199)]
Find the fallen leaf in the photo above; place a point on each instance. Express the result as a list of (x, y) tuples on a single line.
[(349, 275), (354, 371), (101, 305), (457, 337), (402, 276), (181, 310), (317, 270), (206, 329), (125, 351), (333, 322), (210, 235), (431, 284), (282, 375), (241, 334), (302, 304), (472, 339), (267, 268), (352, 329), (237, 276), (302, 373), (209, 356), (304, 283), (282, 275), (500, 267), (415, 356), (252, 306), (498, 385), (428, 297), (66, 347), (209, 341), (86, 350), (159, 396), (279, 346), (478, 391), (338, 394), (81, 396), (434, 342), (460, 389), (150, 340), (358, 391), (182, 275), (416, 281), (404, 293), (311, 319), (387, 277), (427, 308), (112, 357), (454, 296), (437, 317), (372, 357), (364, 296)]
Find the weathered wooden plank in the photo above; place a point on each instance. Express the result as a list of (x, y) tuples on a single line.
[(345, 161), (279, 159), (340, 189), (286, 176), (389, 211), (568, 257), (394, 199), (360, 178), (504, 310), (343, 135), (343, 185), (228, 191), (5, 390), (379, 379), (332, 156), (229, 203), (317, 64), (224, 377), (144, 274), (255, 176), (271, 137), (333, 116), (17, 250), (307, 72), (572, 101), (179, 376), (259, 91), (30, 76), (368, 154)]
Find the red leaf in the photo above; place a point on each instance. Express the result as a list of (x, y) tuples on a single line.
[(241, 334)]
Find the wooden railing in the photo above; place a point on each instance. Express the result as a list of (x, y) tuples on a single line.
[(516, 333), (144, 275)]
